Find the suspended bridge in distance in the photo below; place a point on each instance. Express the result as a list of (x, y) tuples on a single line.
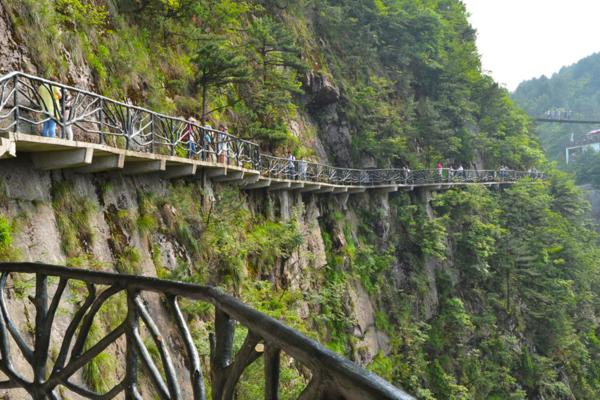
[(567, 121)]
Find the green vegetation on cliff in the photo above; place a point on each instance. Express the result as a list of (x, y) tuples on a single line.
[(483, 293), (409, 76)]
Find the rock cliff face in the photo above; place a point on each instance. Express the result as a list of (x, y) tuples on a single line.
[(12, 57), (30, 195)]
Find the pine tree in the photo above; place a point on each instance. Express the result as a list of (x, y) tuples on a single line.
[(275, 46), (276, 61), (218, 66)]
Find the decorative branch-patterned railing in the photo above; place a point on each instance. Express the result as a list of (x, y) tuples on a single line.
[(106, 121), (333, 376), (281, 168)]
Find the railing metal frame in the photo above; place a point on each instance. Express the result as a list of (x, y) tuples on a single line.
[(147, 131), (333, 376)]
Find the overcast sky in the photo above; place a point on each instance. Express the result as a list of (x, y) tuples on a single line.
[(523, 39)]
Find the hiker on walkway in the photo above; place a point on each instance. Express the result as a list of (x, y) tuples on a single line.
[(570, 115), (50, 96), (290, 167), (460, 172), (223, 141), (208, 144), (406, 172), (451, 172), (439, 173), (302, 165), (188, 137), (68, 104), (503, 173)]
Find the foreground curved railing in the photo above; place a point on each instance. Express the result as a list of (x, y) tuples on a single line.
[(333, 376), (98, 119)]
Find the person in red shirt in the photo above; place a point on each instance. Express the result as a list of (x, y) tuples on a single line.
[(188, 138)]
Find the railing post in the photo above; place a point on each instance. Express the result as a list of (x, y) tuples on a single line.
[(63, 113), (131, 360), (152, 132), (41, 308), (128, 128), (173, 140), (16, 103), (222, 352), (188, 154), (272, 365), (101, 119)]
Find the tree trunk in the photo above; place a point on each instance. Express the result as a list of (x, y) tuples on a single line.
[(204, 105)]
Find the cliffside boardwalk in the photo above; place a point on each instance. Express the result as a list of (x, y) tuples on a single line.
[(138, 141), (118, 136)]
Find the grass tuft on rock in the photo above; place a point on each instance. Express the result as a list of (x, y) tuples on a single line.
[(74, 217)]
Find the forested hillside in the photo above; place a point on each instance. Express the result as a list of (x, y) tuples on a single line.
[(576, 88), (481, 293), (407, 75)]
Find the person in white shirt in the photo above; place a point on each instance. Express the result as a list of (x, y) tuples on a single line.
[(223, 144), (302, 169), (406, 174), (290, 167)]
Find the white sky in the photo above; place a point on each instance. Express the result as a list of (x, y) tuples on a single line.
[(523, 39)]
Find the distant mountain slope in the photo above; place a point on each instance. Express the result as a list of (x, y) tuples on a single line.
[(576, 88)]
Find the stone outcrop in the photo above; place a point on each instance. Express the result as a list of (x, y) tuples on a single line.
[(320, 91), (12, 57)]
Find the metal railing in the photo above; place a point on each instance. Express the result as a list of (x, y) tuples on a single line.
[(332, 376), (101, 120), (105, 121), (581, 142)]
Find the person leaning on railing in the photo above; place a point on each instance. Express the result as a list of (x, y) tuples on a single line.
[(406, 171), (208, 144), (290, 167), (223, 144), (188, 137), (50, 96), (302, 169), (68, 104)]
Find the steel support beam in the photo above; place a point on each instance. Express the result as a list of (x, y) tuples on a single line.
[(104, 163), (179, 171), (44, 161), (231, 176), (258, 185), (279, 186), (310, 187), (144, 167)]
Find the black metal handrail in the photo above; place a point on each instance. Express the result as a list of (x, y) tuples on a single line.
[(106, 121), (584, 141), (333, 376)]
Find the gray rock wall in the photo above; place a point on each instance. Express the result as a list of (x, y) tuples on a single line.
[(38, 239)]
